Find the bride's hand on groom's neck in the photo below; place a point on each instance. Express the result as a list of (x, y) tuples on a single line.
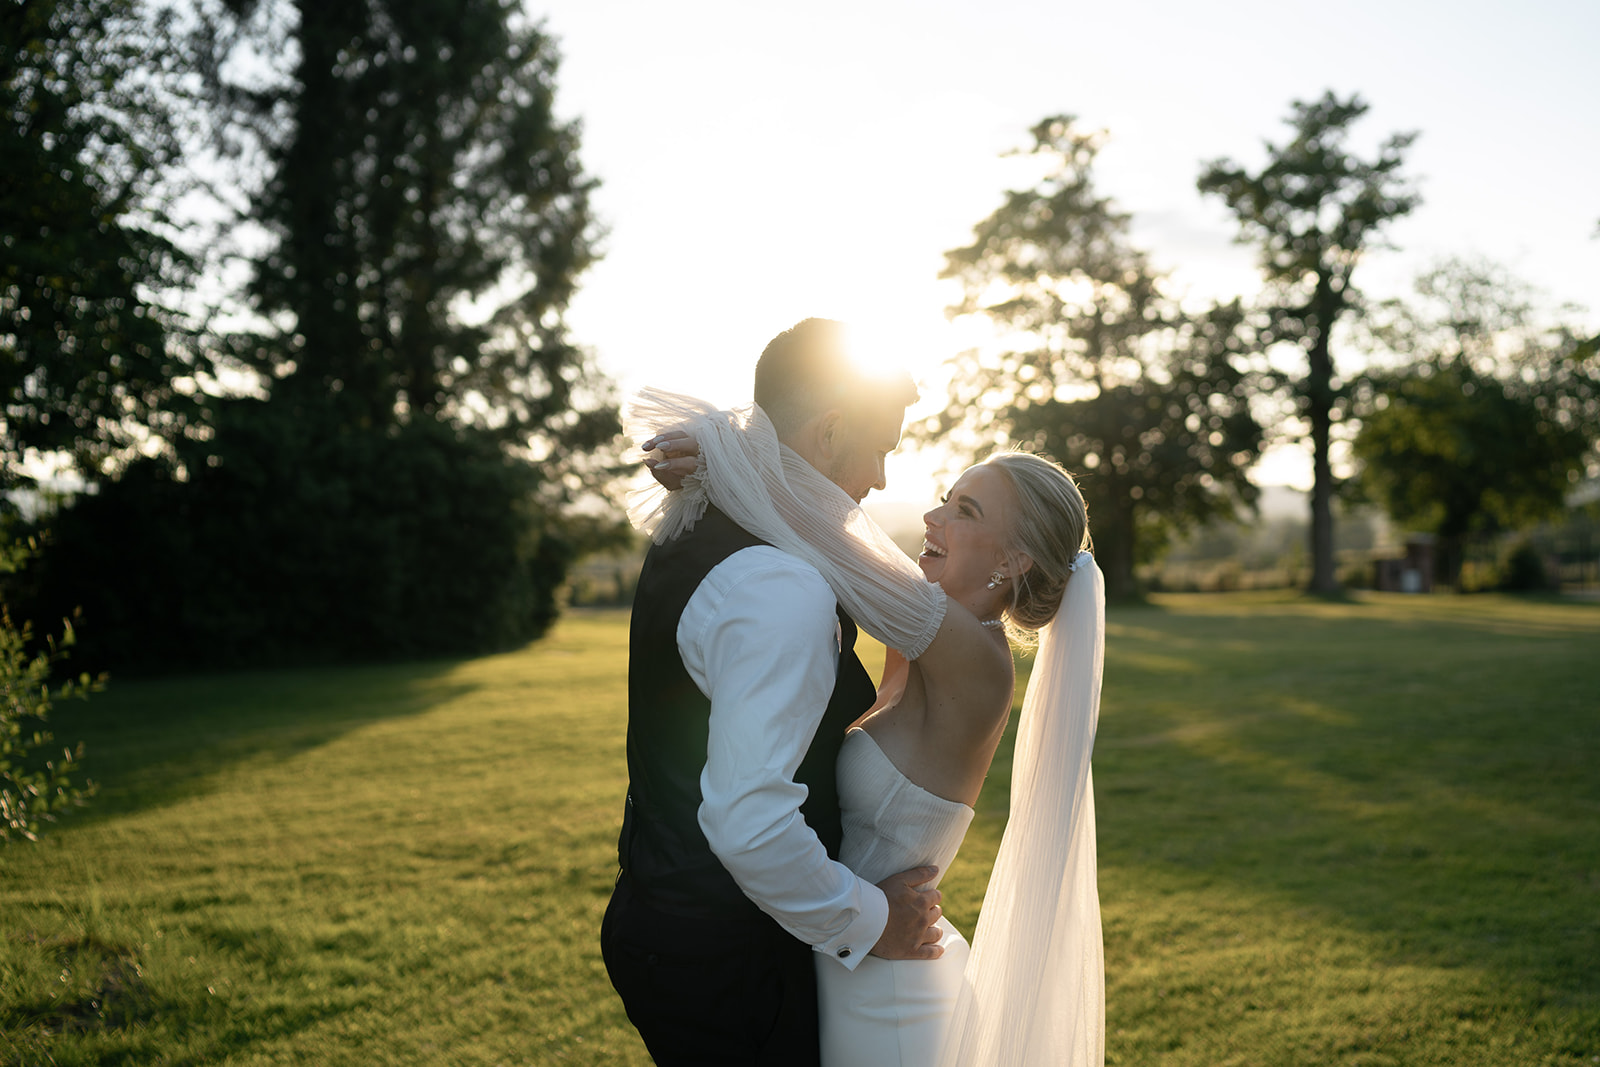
[(671, 456)]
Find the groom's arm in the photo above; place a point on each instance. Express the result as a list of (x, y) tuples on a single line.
[(760, 637)]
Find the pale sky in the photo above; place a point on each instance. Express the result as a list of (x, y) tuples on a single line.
[(761, 164)]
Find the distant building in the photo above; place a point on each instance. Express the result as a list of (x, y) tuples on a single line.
[(1411, 573)]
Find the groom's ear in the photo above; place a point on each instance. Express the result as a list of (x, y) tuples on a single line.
[(830, 434), (818, 439)]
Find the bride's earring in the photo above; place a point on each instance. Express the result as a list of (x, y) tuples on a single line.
[(996, 578)]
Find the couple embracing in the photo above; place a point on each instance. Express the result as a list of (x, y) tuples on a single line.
[(787, 820)]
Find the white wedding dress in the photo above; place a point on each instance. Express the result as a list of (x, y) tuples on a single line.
[(887, 1013)]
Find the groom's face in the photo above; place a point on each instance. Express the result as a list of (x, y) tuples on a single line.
[(869, 436)]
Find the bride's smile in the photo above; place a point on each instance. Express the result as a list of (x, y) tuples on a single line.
[(965, 541)]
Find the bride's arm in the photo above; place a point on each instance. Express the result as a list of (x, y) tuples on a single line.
[(739, 464), (893, 686)]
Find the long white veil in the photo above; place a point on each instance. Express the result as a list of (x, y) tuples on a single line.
[(1034, 988)]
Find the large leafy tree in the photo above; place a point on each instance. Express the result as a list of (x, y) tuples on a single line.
[(396, 486), (1313, 210), (1489, 419), (429, 217), (1095, 365), (92, 361)]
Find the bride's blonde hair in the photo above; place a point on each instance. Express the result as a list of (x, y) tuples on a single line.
[(1050, 525)]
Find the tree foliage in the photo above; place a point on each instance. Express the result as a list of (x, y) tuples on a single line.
[(1312, 211), (92, 363), (429, 218), (1490, 420), (1096, 365), (296, 542), (36, 784), (396, 486)]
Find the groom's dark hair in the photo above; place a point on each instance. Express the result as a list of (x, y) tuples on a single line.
[(808, 368)]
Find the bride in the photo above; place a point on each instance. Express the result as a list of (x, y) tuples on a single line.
[(1003, 556)]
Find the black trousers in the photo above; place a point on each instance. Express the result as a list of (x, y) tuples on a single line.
[(702, 991)]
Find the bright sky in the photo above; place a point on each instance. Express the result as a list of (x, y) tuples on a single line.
[(762, 163)]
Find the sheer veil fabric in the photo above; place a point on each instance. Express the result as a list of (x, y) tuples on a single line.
[(1034, 987), (769, 490)]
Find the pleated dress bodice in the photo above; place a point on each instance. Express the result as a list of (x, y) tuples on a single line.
[(891, 824)]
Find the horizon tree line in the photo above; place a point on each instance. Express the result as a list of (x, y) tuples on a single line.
[(408, 224), (1473, 415)]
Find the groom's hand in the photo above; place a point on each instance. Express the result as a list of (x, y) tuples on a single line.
[(913, 909)]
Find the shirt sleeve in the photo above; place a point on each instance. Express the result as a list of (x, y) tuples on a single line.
[(760, 637)]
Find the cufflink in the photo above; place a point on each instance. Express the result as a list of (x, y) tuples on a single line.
[(844, 954)]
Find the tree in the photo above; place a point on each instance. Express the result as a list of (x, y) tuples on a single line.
[(1489, 422), (92, 363), (430, 218), (1096, 365), (397, 489), (1313, 210)]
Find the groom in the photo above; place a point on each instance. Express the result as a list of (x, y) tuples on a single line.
[(742, 678)]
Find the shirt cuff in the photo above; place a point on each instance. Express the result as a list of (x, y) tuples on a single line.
[(852, 945)]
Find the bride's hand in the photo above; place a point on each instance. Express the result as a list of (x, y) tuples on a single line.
[(671, 456)]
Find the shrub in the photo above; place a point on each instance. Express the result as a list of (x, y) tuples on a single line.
[(289, 543), (34, 790), (1524, 570)]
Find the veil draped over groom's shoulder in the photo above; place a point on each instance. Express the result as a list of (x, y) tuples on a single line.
[(770, 491)]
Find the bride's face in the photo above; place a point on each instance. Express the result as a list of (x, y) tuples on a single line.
[(965, 540)]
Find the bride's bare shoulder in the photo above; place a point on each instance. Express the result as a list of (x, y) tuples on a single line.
[(968, 672), (963, 644)]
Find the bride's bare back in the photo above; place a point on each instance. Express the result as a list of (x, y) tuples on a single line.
[(939, 719)]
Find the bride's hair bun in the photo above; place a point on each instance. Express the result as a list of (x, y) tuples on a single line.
[(1050, 525)]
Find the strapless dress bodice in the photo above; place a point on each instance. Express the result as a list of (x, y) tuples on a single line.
[(891, 824)]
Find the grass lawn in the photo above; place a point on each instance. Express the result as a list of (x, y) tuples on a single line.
[(1358, 834)]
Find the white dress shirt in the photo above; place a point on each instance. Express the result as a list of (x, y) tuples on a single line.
[(760, 637)]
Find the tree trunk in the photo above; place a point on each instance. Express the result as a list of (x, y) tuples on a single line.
[(1324, 581), (1319, 405), (1450, 554), (1114, 551), (317, 246)]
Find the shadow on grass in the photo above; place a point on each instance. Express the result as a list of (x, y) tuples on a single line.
[(151, 742), (102, 987), (103, 999), (1420, 771)]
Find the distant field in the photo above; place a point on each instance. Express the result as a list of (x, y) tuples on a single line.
[(1358, 834)]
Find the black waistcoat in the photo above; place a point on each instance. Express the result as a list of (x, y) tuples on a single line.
[(662, 850)]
